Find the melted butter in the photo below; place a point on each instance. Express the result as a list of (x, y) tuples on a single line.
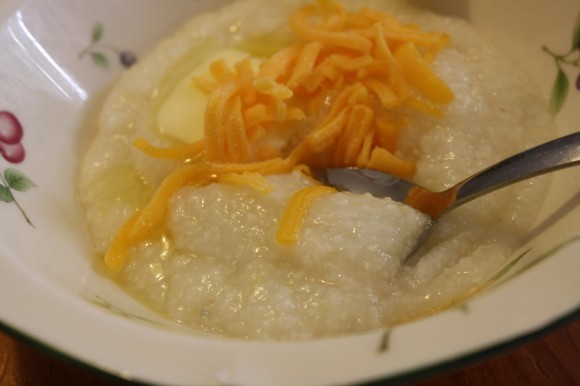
[(121, 184), (182, 114)]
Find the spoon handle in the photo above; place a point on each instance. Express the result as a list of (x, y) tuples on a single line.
[(557, 154)]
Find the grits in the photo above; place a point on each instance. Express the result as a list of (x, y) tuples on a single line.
[(216, 265)]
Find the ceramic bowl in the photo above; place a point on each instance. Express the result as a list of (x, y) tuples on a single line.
[(58, 59)]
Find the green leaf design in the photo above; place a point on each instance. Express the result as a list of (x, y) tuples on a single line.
[(549, 254), (97, 32), (116, 310), (384, 342), (498, 275), (17, 180), (559, 92), (510, 265), (6, 194), (464, 308), (100, 59), (576, 34)]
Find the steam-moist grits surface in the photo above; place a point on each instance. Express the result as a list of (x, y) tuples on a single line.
[(216, 266)]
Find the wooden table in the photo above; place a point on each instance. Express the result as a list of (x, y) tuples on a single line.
[(552, 359)]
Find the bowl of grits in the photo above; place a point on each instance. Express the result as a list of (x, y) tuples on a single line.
[(161, 221)]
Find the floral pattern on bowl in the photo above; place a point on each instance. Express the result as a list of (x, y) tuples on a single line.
[(12, 150), (570, 59), (97, 50)]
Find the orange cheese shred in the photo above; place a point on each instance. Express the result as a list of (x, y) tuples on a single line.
[(302, 25), (221, 71), (154, 212), (296, 211), (305, 63), (254, 180), (215, 123), (364, 155), (235, 136), (419, 74), (117, 252), (189, 151), (350, 142), (280, 63), (428, 202), (245, 77), (385, 161)]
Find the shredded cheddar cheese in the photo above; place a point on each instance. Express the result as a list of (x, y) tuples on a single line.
[(117, 253), (294, 215), (254, 180), (185, 152), (340, 91), (428, 202)]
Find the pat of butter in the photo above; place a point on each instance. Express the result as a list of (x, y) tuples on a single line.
[(182, 114)]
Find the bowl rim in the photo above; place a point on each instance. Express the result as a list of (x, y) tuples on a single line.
[(55, 347)]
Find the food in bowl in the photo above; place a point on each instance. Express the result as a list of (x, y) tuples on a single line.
[(198, 188)]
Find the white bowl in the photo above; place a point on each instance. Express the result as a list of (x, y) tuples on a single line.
[(51, 292)]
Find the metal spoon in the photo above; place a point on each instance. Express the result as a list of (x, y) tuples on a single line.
[(548, 157)]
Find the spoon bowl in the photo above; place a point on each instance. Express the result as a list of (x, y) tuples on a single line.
[(557, 154)]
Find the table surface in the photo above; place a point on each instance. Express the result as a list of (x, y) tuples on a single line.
[(551, 359)]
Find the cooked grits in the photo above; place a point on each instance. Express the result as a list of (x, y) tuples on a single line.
[(215, 264)]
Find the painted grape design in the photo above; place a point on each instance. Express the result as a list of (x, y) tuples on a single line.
[(11, 133), (97, 50), (12, 150)]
